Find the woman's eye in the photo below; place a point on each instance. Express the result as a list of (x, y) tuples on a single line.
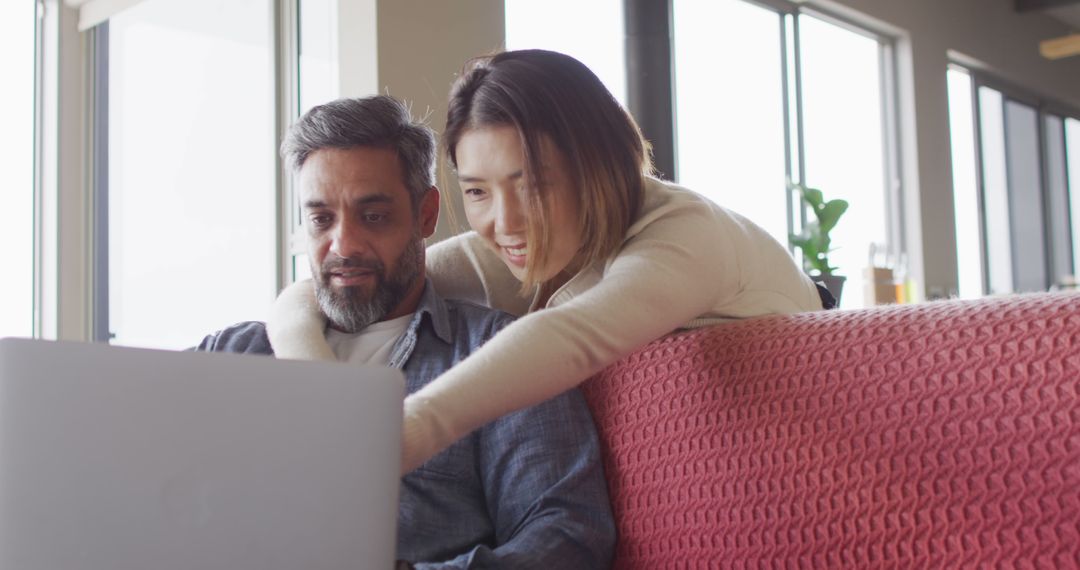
[(474, 192)]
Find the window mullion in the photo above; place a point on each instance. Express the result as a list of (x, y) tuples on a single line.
[(800, 133), (1070, 177), (785, 102), (285, 21), (99, 184), (649, 80), (976, 106), (38, 297), (63, 271), (1044, 193), (890, 130)]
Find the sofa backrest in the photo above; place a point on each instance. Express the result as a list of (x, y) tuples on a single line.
[(944, 434)]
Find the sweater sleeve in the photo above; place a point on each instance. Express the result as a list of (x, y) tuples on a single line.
[(463, 268), (674, 270)]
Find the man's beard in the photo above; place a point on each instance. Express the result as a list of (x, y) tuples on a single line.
[(351, 309)]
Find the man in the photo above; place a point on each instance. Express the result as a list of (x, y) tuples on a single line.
[(525, 491)]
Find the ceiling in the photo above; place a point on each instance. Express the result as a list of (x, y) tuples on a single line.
[(1068, 14)]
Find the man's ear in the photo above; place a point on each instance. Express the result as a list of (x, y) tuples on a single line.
[(429, 212)]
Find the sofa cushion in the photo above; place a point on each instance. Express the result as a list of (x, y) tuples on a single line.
[(944, 434)]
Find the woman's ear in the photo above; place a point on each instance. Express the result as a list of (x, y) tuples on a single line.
[(429, 212)]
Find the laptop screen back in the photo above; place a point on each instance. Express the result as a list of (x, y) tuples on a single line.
[(119, 458)]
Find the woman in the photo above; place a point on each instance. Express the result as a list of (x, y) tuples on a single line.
[(572, 231)]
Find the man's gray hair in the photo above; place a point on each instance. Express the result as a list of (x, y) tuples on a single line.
[(378, 121)]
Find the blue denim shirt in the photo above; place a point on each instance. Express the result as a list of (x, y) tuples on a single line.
[(525, 491)]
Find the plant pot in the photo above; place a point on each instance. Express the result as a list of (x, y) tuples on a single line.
[(834, 283)]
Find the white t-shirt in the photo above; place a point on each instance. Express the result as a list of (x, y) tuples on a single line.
[(373, 345)]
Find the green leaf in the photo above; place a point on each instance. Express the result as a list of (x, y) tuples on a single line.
[(816, 264), (804, 243), (814, 240), (830, 213), (824, 243)]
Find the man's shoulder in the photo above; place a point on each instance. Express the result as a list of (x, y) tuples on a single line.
[(474, 316), (475, 322), (248, 337)]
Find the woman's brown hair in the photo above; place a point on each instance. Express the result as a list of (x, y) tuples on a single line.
[(544, 93)]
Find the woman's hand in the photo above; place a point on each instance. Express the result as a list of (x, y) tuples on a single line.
[(296, 326)]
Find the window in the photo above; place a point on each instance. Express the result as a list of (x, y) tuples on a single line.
[(591, 32), (317, 83), (1016, 166), (1056, 147), (18, 21), (318, 80), (965, 185), (1024, 197), (995, 198), (191, 160), (844, 141), (731, 138), (764, 96)]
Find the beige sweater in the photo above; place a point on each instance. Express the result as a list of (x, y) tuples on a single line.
[(684, 263)]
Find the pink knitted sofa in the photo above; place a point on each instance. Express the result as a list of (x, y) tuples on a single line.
[(938, 435)]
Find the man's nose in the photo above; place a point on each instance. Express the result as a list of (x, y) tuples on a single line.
[(510, 216), (349, 239)]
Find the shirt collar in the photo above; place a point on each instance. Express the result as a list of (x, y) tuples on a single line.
[(434, 306)]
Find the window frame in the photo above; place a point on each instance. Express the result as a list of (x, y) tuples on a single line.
[(62, 255), (29, 317), (1043, 107), (285, 57), (287, 78), (40, 110), (70, 273), (788, 15)]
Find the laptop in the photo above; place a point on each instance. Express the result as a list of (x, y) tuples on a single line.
[(117, 458)]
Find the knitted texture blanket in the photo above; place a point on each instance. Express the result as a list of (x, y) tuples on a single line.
[(939, 435)]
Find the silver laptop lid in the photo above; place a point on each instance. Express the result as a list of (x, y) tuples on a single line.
[(122, 459)]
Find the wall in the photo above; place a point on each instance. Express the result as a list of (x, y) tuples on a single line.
[(421, 46), (988, 34)]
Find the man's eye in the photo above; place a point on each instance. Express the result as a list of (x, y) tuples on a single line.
[(320, 220), (374, 217)]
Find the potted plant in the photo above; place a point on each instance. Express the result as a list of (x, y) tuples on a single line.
[(814, 239)]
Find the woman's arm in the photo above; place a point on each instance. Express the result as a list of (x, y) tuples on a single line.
[(296, 327), (463, 267), (545, 490), (673, 271)]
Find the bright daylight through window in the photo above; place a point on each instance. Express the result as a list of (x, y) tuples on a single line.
[(594, 34), (729, 72), (995, 197), (1016, 186), (191, 188), (317, 84), (730, 135), (965, 184), (17, 23), (842, 114)]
